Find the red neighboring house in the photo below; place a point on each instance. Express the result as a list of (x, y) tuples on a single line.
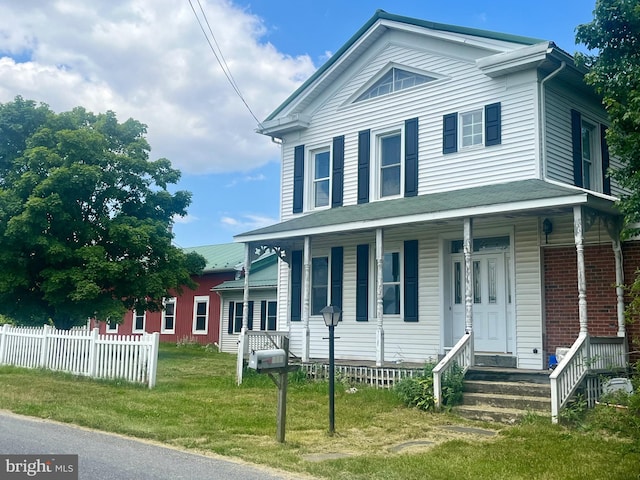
[(194, 315)]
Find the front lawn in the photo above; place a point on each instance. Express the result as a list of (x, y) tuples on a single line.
[(197, 405)]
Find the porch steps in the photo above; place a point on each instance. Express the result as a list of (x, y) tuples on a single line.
[(504, 394)]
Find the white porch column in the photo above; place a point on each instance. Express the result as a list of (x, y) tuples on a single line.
[(245, 314), (468, 274), (306, 295), (617, 251), (379, 293), (578, 232)]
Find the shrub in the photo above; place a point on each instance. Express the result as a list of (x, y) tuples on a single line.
[(418, 391)]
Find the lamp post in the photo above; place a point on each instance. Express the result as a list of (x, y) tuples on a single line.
[(331, 315)]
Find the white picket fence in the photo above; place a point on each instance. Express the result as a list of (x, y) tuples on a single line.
[(133, 358)]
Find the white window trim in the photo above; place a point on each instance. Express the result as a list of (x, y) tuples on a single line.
[(196, 300), (144, 322), (376, 178), (310, 174), (165, 301), (461, 129), (266, 316), (109, 328)]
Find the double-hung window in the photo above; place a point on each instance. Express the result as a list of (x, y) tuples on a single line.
[(200, 315), (472, 127), (321, 180), (588, 140), (168, 316), (390, 157), (112, 326), (138, 321)]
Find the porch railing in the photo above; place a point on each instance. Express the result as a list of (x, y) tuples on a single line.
[(258, 340), (587, 356), (461, 355)]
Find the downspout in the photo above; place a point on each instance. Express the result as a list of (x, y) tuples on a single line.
[(543, 114)]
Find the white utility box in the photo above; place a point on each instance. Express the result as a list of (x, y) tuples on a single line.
[(267, 359)]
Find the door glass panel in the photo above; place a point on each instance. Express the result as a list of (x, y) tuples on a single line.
[(477, 283), (457, 283), (492, 281)]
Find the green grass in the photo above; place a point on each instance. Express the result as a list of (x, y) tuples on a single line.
[(197, 405)]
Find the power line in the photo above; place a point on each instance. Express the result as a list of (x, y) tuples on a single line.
[(220, 57)]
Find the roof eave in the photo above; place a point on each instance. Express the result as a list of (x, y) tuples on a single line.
[(579, 198)]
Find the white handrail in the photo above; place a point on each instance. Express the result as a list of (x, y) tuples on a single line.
[(462, 355), (568, 375)]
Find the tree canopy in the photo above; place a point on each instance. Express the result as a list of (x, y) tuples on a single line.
[(85, 218), (614, 72)]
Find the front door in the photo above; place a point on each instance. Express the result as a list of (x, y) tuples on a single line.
[(490, 293)]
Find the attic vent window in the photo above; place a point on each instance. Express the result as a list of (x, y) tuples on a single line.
[(393, 81)]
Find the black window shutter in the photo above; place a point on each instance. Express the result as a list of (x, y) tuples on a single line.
[(298, 179), (604, 150), (450, 133), (411, 281), (250, 318), (337, 187), (296, 285), (362, 283), (263, 315), (364, 148), (492, 124), (232, 310), (337, 255), (576, 141), (238, 318), (411, 157)]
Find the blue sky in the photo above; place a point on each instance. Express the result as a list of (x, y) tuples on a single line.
[(148, 59)]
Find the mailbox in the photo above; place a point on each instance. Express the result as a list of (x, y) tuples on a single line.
[(267, 359)]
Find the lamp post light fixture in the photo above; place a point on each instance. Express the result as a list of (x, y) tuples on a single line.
[(331, 315)]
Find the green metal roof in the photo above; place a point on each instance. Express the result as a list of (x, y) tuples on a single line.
[(382, 15), (222, 257), (263, 274), (458, 200)]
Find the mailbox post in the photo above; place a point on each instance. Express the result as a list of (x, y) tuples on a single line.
[(271, 362)]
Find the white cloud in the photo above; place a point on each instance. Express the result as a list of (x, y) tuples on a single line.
[(149, 60), (246, 223)]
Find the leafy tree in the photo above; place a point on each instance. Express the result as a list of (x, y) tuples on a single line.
[(85, 218), (614, 72)]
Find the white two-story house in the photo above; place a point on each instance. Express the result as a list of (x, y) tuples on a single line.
[(441, 182)]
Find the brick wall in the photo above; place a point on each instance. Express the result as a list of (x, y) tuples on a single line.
[(561, 292)]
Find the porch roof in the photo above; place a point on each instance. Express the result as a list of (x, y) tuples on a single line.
[(510, 197)]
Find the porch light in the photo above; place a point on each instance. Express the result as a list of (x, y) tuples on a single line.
[(331, 315)]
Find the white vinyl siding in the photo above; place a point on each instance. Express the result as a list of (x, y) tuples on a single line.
[(514, 159), (559, 102)]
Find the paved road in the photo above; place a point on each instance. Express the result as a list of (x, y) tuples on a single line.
[(105, 456)]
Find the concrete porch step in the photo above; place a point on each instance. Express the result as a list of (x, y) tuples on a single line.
[(508, 388), (520, 402), (504, 394), (487, 413)]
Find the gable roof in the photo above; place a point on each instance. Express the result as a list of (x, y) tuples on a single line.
[(381, 15), (496, 199), (219, 258), (263, 274)]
